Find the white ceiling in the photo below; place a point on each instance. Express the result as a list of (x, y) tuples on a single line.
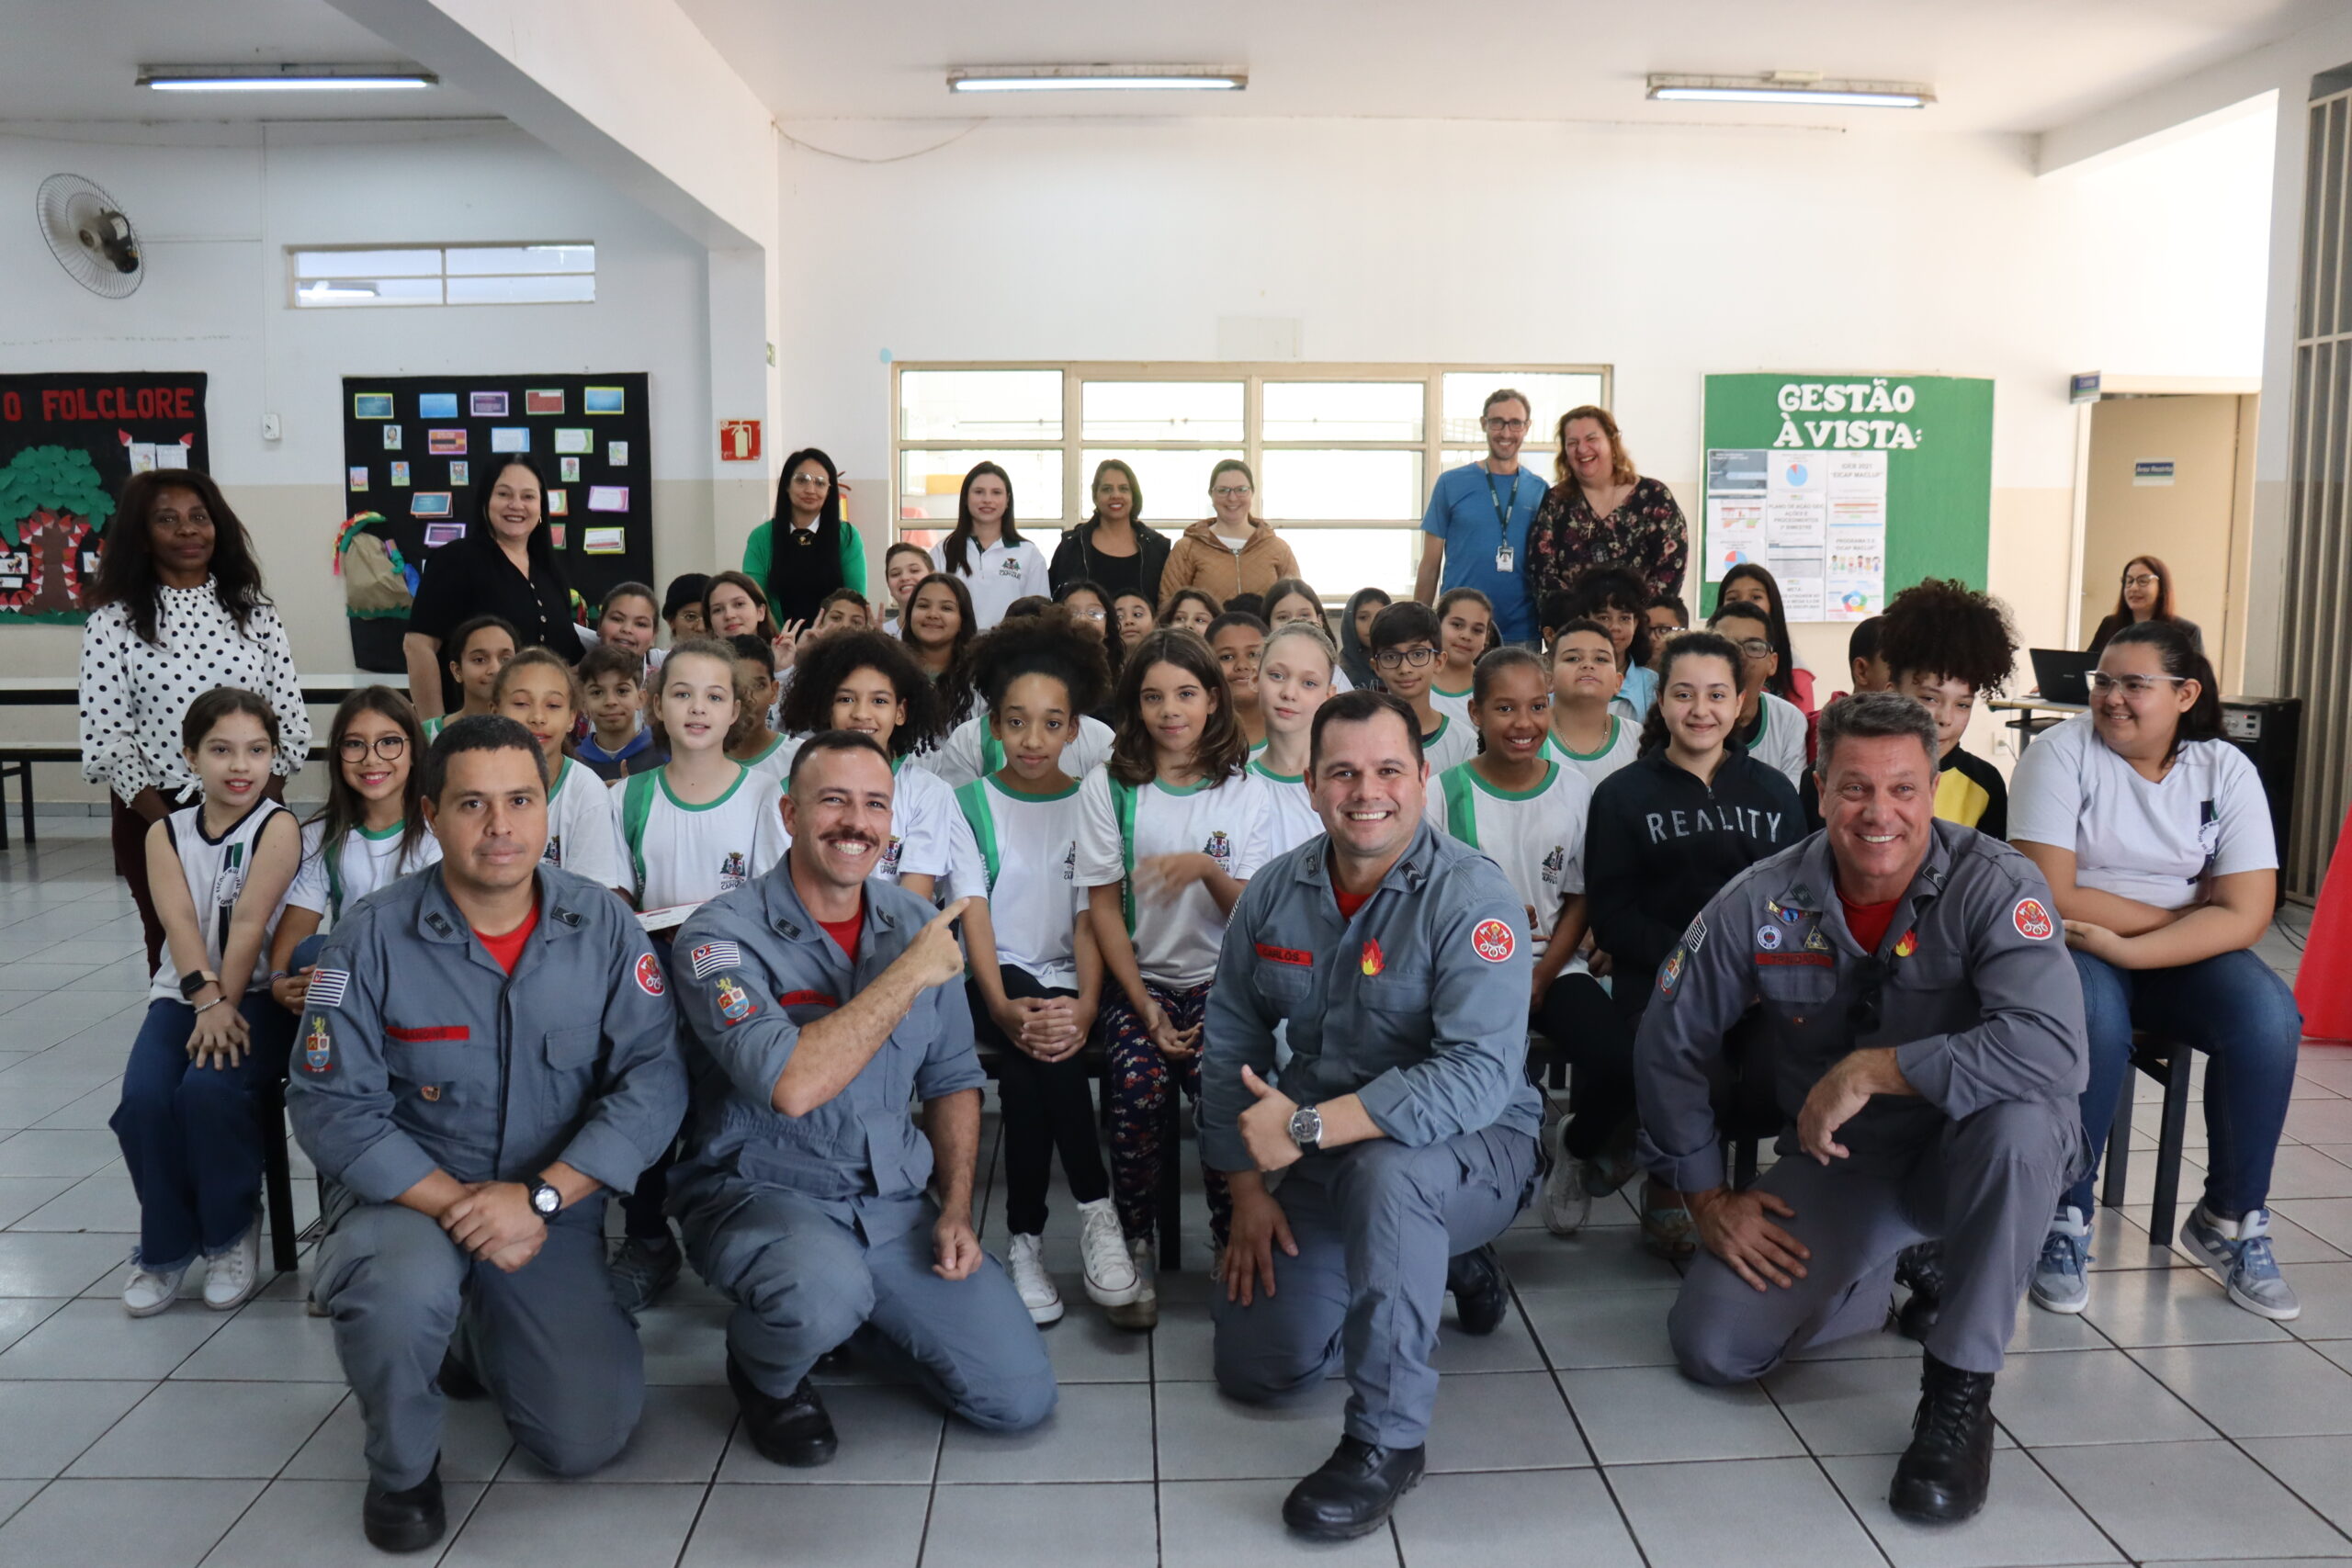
[(2012, 66), (79, 59)]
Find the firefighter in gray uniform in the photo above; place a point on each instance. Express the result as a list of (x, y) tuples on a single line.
[(1402, 1126), (484, 1046), (820, 1000), (1925, 1034)]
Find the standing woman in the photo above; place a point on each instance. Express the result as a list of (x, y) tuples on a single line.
[(506, 566), (177, 610), (1748, 583), (985, 550), (1232, 550), (2146, 596), (822, 551), (1602, 512), (1112, 548)]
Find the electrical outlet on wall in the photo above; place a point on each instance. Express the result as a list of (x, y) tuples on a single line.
[(270, 428)]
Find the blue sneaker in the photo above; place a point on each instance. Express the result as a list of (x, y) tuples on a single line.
[(2058, 1281), (2239, 1250)]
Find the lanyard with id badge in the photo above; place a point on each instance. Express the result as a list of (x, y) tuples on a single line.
[(1504, 555)]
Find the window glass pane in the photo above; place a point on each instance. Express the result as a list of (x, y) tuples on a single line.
[(1161, 410), (1343, 411), (1175, 484), (1536, 458), (555, 289), (330, 293), (1338, 561), (1341, 487), (521, 258), (407, 262), (980, 405), (929, 483), (1552, 393)]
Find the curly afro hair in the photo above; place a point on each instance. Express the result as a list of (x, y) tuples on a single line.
[(1942, 627), (1049, 642), (820, 672)]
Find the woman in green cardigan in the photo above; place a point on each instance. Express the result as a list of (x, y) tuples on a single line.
[(822, 552)]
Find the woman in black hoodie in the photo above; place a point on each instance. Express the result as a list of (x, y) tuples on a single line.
[(1113, 548), (1663, 834)]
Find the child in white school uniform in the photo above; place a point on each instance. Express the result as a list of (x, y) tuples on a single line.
[(1588, 732), (1298, 672), (479, 649), (539, 689), (1465, 620)]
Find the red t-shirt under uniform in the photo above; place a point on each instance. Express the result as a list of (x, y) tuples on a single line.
[(1868, 921), (508, 949)]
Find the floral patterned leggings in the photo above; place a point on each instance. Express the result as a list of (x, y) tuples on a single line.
[(1137, 1082)]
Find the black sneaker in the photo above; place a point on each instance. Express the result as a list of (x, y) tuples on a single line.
[(1354, 1492), (1921, 1268), (1476, 1277), (641, 1271), (409, 1520), (457, 1380), (794, 1431), (1944, 1475)]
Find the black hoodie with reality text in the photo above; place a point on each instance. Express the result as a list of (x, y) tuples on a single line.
[(1660, 842)]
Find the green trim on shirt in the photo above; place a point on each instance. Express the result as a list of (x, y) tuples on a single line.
[(741, 773), (972, 800), (1009, 793), (1551, 771), (1264, 772), (1461, 808), (380, 835), (1607, 744)]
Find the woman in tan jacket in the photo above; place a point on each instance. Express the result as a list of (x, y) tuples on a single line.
[(1232, 552)]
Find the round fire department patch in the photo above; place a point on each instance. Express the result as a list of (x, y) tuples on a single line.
[(2032, 920), (649, 974), (1493, 941)]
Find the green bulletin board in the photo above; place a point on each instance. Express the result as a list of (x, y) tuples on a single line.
[(1851, 487)]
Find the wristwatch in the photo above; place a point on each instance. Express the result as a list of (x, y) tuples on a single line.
[(196, 980), (1307, 1129), (546, 1201)]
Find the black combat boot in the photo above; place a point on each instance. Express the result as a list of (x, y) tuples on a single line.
[(1476, 1277), (1922, 1269), (409, 1520), (1944, 1475), (1354, 1492), (794, 1431)]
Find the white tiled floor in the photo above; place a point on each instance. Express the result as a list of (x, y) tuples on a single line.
[(2163, 1424)]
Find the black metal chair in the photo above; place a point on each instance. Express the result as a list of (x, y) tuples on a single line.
[(2168, 1062), (277, 1175)]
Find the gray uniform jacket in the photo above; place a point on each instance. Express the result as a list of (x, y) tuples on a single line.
[(1975, 993), (754, 970), (1417, 1006), (419, 1052)]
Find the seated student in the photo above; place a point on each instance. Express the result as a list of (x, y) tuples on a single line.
[(479, 649), (1864, 666), (1465, 624), (938, 625), (628, 618), (1749, 584), (1615, 596), (538, 690), (1297, 673), (1588, 732), (903, 566), (484, 1046), (1134, 611), (734, 605), (754, 741), (1291, 600), (1944, 643), (2155, 836), (1405, 656), (1664, 836), (1363, 607), (210, 1039), (826, 1000), (1190, 609), (682, 613), (618, 742), (1926, 1049), (1239, 640), (1771, 730), (1668, 617), (1036, 976), (2146, 596)]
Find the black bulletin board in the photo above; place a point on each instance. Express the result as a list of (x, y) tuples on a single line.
[(438, 421)]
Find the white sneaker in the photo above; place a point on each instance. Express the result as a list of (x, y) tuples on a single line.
[(231, 1279), (1025, 1261), (1141, 1311), (1567, 1201), (1111, 1277), (147, 1292)]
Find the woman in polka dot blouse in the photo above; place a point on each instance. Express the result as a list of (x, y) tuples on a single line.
[(177, 610)]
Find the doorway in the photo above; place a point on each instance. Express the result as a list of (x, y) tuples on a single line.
[(2171, 476)]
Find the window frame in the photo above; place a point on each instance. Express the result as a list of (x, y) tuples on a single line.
[(1437, 452), (442, 276)]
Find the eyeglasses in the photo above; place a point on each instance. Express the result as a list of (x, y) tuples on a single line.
[(387, 747), (819, 480), (1755, 648), (2131, 685), (1229, 492), (1505, 427), (1088, 614), (2141, 579), (1396, 658)]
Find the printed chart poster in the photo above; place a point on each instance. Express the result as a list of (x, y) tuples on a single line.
[(1848, 487), (68, 443)]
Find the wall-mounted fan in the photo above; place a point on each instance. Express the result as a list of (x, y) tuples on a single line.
[(89, 235)]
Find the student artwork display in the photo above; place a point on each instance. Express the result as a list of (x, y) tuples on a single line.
[(1842, 484), (68, 442)]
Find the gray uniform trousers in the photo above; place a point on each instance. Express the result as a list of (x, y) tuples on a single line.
[(1375, 1224), (559, 1356), (1985, 1187), (805, 1277)]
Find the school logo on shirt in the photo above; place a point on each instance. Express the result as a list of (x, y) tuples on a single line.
[(230, 880), (890, 866), (1219, 849), (1554, 864), (733, 1002), (649, 974), (732, 872), (553, 853), (2031, 920), (1069, 861), (1492, 941), (2209, 835), (318, 1051), (1009, 567)]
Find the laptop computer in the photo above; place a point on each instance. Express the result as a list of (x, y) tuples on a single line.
[(2064, 675)]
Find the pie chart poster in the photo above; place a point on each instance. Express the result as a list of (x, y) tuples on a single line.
[(413, 445)]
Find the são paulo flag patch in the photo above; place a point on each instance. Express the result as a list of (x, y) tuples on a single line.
[(2032, 920), (1492, 941)]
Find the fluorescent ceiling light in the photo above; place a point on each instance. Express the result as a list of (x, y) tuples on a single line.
[(283, 78), (1790, 87), (1095, 79)]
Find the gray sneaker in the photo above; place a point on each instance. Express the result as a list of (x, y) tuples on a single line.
[(2058, 1281), (2240, 1252), (640, 1271)]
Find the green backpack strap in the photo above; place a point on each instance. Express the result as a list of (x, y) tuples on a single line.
[(637, 807), (1122, 805), (972, 799)]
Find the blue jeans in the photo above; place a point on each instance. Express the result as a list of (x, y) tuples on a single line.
[(189, 1135), (2242, 1017)]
